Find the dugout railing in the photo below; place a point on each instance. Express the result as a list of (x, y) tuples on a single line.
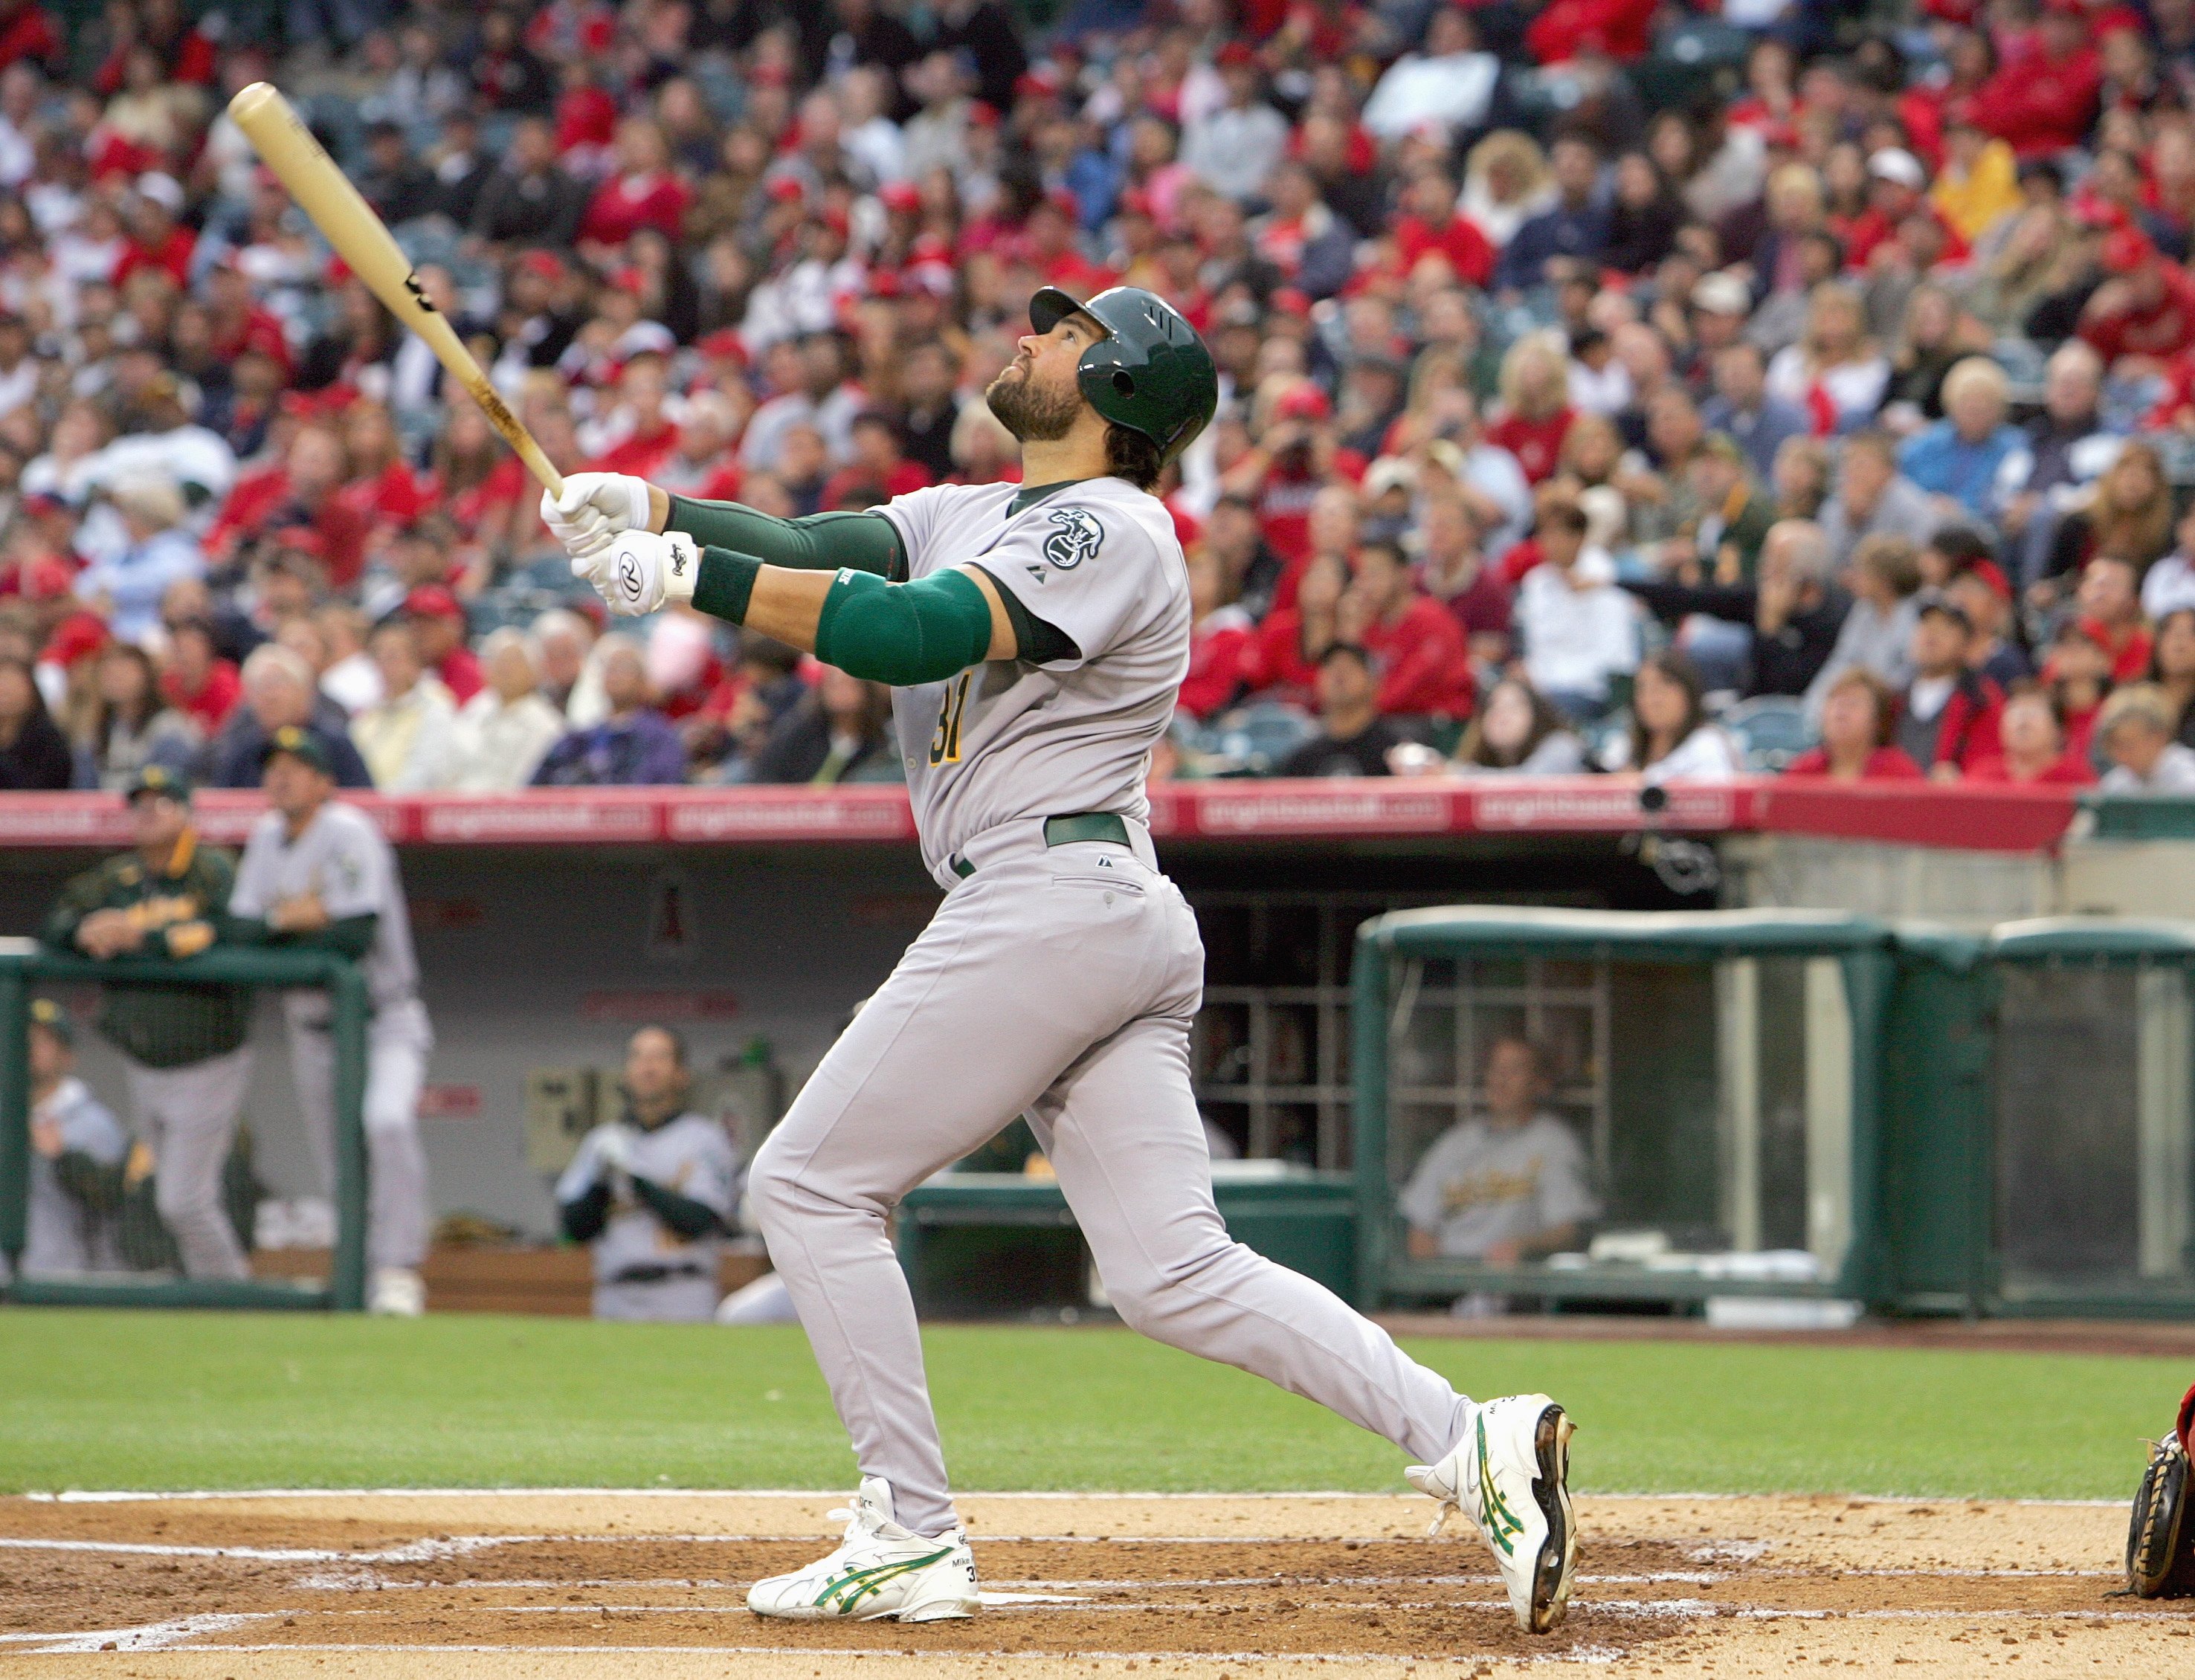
[(1720, 1075), (27, 969)]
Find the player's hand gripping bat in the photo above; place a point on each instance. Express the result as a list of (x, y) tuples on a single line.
[(322, 191)]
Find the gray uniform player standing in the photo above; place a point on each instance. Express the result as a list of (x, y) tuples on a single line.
[(1037, 636), (317, 871), (652, 1194)]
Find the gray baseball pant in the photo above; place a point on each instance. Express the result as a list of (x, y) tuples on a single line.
[(1059, 983), (397, 1042), (187, 1116)]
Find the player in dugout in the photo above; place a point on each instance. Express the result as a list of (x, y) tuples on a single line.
[(76, 1151), (182, 1045), (1036, 635), (651, 1193), (1506, 1186), (318, 873)]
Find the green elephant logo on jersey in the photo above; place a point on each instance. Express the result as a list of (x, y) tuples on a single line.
[(1076, 539)]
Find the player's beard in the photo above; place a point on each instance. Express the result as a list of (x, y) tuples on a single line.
[(1033, 416)]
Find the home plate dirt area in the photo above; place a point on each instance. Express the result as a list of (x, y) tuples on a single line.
[(503, 1584)]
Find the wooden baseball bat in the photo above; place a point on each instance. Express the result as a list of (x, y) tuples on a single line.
[(322, 191)]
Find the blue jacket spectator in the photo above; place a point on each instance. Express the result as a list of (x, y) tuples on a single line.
[(1760, 424), (279, 693), (1962, 455), (1576, 225), (634, 746), (160, 553)]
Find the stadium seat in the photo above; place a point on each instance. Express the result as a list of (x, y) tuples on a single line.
[(1771, 729)]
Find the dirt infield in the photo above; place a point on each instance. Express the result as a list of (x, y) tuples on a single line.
[(494, 1586)]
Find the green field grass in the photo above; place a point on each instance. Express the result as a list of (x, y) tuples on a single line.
[(123, 1399)]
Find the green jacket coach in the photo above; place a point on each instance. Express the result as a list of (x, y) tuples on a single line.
[(183, 1045)]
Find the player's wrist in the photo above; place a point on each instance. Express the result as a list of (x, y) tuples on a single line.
[(682, 568)]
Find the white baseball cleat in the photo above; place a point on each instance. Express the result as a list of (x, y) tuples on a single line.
[(1511, 1471), (398, 1291), (880, 1570)]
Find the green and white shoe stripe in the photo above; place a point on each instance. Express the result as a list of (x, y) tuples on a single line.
[(857, 1586), (1502, 1523)]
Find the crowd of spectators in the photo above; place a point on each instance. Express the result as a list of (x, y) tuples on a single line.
[(1580, 410)]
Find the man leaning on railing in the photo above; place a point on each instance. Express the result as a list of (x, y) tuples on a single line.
[(182, 1045)]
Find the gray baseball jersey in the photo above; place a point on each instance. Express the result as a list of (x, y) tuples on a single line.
[(63, 1234), (347, 862), (1098, 561), (690, 1155), (1476, 1186)]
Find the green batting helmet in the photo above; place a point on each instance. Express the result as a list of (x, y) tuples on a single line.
[(1150, 372)]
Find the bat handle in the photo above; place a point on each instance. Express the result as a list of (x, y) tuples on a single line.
[(538, 464)]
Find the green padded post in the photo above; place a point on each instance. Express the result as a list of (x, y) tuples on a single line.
[(15, 1113), (347, 1283), (1367, 1023), (1867, 1273)]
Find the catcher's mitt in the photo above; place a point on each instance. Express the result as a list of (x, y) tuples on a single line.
[(2160, 1555)]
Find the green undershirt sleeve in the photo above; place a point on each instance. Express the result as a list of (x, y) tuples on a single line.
[(865, 542), (1034, 640), (686, 1218), (351, 936)]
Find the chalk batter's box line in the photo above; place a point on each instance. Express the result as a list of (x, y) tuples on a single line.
[(123, 1496)]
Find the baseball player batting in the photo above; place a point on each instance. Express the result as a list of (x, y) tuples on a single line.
[(1035, 635)]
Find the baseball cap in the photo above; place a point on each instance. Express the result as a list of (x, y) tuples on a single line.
[(1894, 163), (1720, 294), (50, 1015), (2128, 249), (77, 636), (301, 745), (1304, 401), (1236, 53), (1990, 576), (724, 341), (158, 779), (432, 600)]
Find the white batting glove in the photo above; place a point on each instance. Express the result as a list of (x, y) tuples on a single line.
[(593, 510), (641, 573), (613, 1147)]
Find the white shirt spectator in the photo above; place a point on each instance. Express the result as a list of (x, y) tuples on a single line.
[(1606, 390), (1453, 89), (1707, 755), (2168, 586), (405, 741), (879, 144), (2173, 772), (198, 462), (498, 745), (1854, 389), (1234, 150), (352, 682), (1576, 636)]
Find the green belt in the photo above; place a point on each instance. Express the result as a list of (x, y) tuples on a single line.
[(1106, 828)]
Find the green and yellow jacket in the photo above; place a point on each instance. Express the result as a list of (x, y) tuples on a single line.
[(182, 908)]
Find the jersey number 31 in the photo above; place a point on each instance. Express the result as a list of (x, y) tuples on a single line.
[(945, 743)]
